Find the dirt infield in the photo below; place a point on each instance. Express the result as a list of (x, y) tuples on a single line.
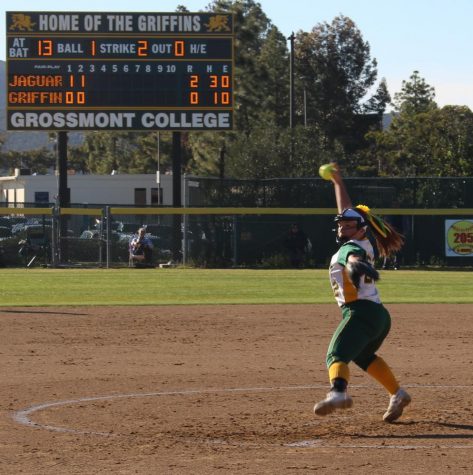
[(226, 389)]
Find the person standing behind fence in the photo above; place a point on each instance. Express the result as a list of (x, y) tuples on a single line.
[(365, 321), (141, 248), (296, 243)]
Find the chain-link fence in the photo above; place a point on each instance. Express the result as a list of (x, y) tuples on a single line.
[(239, 223), (209, 237), (80, 236)]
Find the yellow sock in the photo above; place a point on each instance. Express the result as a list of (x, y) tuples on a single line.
[(380, 371), (339, 369)]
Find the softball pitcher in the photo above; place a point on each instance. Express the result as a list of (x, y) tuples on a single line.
[(365, 322)]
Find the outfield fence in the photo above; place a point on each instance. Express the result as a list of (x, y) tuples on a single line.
[(208, 237)]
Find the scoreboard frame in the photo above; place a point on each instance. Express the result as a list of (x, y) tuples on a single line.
[(119, 71)]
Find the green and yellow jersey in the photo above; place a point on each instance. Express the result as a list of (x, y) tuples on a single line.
[(343, 289)]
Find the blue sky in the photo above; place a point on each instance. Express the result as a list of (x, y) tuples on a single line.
[(432, 36)]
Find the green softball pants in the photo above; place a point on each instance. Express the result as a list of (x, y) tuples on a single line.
[(359, 335)]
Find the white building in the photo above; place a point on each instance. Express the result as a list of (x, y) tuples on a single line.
[(115, 189)]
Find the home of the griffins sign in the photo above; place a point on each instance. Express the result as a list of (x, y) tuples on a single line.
[(116, 71)]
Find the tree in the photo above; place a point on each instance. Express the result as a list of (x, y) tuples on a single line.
[(273, 62), (38, 161), (438, 142), (415, 96), (251, 26), (380, 99), (335, 69), (126, 152), (265, 153), (261, 87), (413, 140), (451, 141)]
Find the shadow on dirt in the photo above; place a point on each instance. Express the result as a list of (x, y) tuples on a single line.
[(43, 312)]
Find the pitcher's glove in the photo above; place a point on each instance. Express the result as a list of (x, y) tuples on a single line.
[(358, 268)]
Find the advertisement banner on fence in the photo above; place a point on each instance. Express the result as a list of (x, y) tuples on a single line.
[(459, 238)]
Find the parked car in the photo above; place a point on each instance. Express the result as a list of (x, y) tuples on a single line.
[(115, 225), (129, 228), (95, 234), (5, 232), (90, 234), (6, 221)]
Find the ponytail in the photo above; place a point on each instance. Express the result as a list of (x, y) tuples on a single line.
[(388, 240)]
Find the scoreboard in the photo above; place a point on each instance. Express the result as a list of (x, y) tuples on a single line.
[(119, 71)]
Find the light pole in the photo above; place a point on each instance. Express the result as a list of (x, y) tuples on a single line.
[(158, 172), (291, 95), (291, 81)]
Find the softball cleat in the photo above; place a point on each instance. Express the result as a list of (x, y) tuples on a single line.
[(334, 400), (397, 403)]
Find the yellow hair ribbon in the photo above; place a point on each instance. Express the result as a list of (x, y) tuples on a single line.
[(374, 220), (363, 208), (378, 224)]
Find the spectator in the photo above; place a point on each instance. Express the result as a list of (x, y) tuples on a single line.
[(141, 248), (296, 244)]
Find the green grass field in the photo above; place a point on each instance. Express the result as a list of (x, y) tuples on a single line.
[(38, 287)]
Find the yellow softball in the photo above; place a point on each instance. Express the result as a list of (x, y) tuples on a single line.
[(325, 171)]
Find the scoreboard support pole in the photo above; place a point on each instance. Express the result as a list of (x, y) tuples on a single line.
[(63, 193), (176, 195)]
